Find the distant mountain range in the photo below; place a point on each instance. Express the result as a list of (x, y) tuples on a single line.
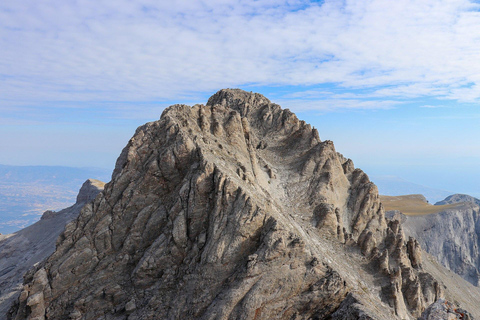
[(395, 186), (27, 191), (457, 198)]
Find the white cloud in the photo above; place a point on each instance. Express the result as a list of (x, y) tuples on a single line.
[(332, 104), (155, 50), (428, 106)]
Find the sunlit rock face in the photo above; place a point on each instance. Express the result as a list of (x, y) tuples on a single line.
[(451, 236), (231, 210)]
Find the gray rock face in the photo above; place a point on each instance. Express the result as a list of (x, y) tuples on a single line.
[(453, 237), (458, 198), (444, 310), (233, 210), (89, 190), (352, 309), (24, 249)]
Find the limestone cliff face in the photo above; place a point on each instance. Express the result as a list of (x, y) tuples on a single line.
[(231, 210), (22, 250), (452, 236)]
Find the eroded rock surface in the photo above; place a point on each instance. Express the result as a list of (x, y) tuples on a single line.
[(452, 236), (231, 210), (22, 250), (445, 310)]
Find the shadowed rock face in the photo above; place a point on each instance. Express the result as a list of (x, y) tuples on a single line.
[(22, 250), (89, 190), (233, 210)]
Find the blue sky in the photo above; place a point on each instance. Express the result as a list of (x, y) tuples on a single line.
[(395, 84)]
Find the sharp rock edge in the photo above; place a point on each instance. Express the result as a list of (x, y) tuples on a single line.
[(231, 210)]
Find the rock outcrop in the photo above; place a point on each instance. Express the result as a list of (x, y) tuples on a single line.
[(22, 250), (452, 236), (443, 309), (458, 198), (231, 210), (89, 191)]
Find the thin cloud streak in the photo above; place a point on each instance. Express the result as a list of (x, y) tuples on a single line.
[(149, 51), (300, 105)]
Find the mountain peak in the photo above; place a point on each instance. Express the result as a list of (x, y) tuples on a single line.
[(457, 198), (89, 190), (231, 210), (235, 98)]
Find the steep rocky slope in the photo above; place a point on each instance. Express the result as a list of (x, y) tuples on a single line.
[(233, 210), (452, 236), (20, 251)]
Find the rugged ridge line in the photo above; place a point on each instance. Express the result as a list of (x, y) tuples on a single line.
[(232, 210)]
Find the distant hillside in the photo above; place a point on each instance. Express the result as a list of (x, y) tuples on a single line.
[(457, 198), (27, 191), (396, 186), (21, 251), (416, 205)]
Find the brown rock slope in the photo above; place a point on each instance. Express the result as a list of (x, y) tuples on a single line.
[(233, 210)]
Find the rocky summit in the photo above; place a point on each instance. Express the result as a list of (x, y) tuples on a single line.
[(458, 198), (236, 210)]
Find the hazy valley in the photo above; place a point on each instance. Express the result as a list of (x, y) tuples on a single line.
[(22, 250), (28, 191)]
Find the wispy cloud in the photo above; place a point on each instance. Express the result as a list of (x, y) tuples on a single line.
[(16, 223), (335, 104), (149, 50), (428, 106)]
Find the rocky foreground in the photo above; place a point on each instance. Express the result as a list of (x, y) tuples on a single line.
[(236, 210), (24, 249)]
